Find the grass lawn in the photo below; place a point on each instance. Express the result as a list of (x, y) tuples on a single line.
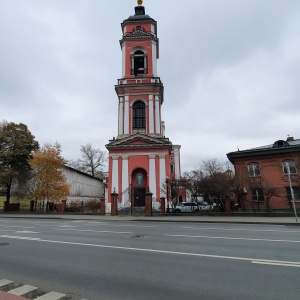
[(24, 203)]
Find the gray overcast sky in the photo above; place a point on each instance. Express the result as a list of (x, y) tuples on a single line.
[(231, 71)]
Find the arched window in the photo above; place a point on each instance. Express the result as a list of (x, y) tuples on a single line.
[(139, 115), (138, 63)]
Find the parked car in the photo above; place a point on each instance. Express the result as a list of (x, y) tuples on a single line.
[(186, 207), (204, 206)]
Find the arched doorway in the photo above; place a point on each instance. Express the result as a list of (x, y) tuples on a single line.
[(138, 187)]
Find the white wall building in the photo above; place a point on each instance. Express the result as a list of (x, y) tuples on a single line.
[(82, 185)]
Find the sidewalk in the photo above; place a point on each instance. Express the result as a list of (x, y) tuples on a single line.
[(8, 296), (275, 220)]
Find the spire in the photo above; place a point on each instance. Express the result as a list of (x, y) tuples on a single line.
[(139, 10)]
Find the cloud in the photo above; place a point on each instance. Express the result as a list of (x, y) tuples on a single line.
[(230, 70)]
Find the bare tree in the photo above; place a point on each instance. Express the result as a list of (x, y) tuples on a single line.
[(211, 180), (92, 161), (267, 190)]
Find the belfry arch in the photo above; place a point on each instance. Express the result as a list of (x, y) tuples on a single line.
[(139, 62)]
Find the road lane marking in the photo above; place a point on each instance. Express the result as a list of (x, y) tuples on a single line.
[(230, 238), (122, 225), (77, 221), (21, 290), (247, 259), (4, 282), (90, 230), (51, 296), (26, 231), (21, 237), (283, 264), (242, 229), (11, 226)]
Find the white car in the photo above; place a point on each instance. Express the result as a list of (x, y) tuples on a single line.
[(186, 207), (204, 206)]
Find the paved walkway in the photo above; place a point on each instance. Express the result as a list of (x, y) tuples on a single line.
[(8, 296), (274, 219), (14, 291)]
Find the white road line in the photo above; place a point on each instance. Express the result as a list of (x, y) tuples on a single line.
[(161, 251), (230, 238), (276, 264), (122, 225), (66, 226), (77, 221), (242, 229), (22, 237), (51, 296), (21, 290), (4, 282), (26, 231), (16, 226), (90, 230)]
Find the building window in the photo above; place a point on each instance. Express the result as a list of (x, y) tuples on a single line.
[(296, 191), (289, 165), (139, 115), (253, 170), (139, 63), (257, 195), (172, 168)]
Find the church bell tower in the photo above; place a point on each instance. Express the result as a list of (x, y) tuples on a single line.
[(141, 158)]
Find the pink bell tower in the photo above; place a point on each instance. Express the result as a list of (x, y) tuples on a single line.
[(141, 158)]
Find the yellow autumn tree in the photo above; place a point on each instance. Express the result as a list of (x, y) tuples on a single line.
[(50, 183)]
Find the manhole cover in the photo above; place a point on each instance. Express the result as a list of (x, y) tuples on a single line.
[(4, 244)]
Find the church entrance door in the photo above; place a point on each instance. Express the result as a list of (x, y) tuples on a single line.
[(139, 196)]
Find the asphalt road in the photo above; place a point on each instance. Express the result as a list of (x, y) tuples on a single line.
[(152, 260)]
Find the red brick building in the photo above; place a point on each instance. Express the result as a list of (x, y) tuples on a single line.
[(262, 175)]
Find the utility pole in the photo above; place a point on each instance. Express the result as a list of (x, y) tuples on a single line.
[(291, 189)]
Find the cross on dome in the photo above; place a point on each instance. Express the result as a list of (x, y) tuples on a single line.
[(140, 2)]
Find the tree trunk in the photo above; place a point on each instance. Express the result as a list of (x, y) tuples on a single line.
[(8, 189)]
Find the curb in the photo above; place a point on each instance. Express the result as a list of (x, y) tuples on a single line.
[(187, 219)]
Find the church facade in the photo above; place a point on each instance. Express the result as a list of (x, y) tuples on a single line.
[(141, 158)]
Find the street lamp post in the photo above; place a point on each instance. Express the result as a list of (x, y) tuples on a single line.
[(167, 187), (104, 188), (291, 189)]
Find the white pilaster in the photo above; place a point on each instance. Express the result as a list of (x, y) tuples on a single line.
[(157, 116), (151, 115), (162, 172), (123, 60), (115, 174), (121, 104), (154, 59), (152, 177), (126, 115), (125, 183), (177, 161)]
